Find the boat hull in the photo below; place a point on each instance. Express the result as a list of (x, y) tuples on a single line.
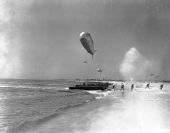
[(88, 88)]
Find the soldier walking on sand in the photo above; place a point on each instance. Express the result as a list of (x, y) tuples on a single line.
[(132, 87), (161, 86), (147, 86), (122, 87)]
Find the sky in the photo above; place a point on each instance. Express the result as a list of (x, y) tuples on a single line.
[(39, 39)]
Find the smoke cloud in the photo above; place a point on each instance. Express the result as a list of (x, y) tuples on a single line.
[(11, 18), (134, 65)]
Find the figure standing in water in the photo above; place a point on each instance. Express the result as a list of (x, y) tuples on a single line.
[(132, 87), (122, 87), (161, 86), (147, 86)]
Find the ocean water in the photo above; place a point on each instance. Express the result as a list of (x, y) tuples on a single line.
[(47, 106), (34, 101)]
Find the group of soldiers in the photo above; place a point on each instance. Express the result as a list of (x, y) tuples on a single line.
[(148, 86), (122, 87)]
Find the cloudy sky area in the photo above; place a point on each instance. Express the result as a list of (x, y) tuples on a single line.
[(40, 38)]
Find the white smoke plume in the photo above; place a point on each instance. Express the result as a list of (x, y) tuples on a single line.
[(134, 66), (11, 17)]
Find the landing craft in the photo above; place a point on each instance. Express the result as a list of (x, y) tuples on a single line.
[(87, 42)]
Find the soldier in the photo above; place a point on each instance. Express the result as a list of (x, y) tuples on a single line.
[(147, 86), (161, 86), (122, 87), (132, 87)]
